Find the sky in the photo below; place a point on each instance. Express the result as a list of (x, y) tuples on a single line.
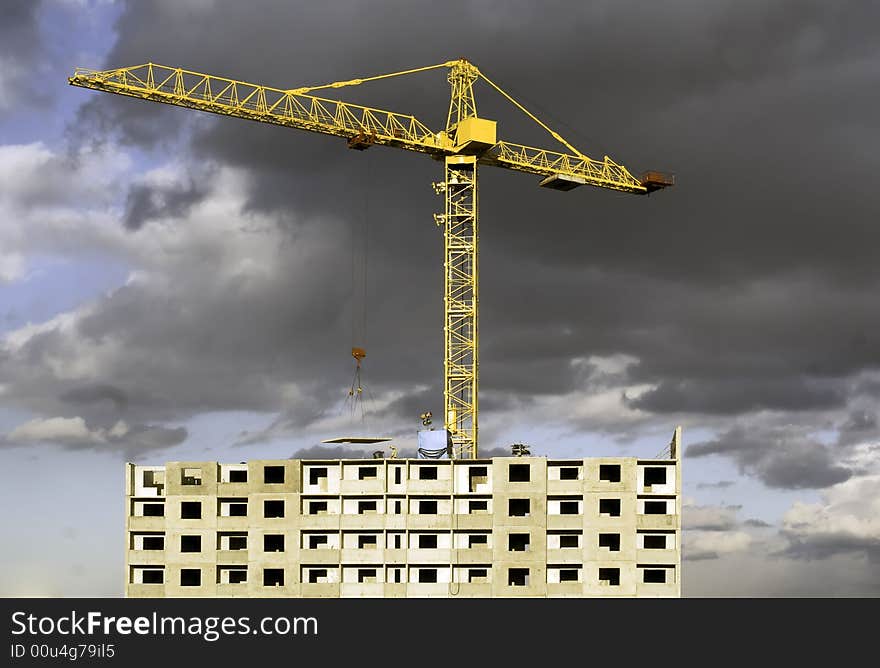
[(178, 286)]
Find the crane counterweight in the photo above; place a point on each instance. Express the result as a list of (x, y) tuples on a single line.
[(656, 181)]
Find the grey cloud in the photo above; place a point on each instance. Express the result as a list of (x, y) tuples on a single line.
[(133, 441), (749, 288), (869, 386), (712, 531), (153, 437), (676, 281), (725, 302), (780, 457), (859, 421), (218, 340), (710, 518), (410, 406), (146, 202), (820, 547), (721, 484), (90, 394), (730, 397), (860, 425), (20, 49), (797, 467), (757, 524), (755, 573), (844, 522), (19, 25)]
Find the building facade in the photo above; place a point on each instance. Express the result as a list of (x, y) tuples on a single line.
[(501, 527)]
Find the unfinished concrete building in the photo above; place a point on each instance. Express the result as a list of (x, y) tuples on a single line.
[(501, 527)]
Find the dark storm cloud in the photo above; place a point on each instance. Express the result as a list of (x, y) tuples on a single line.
[(75, 434), (147, 202), (823, 540), (780, 457), (860, 425), (827, 546), (869, 386), (739, 396), (750, 286), (19, 25), (141, 438), (407, 409), (748, 289), (859, 422), (708, 51), (89, 394), (411, 405), (20, 50)]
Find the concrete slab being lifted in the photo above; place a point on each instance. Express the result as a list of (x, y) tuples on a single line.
[(562, 182), (360, 440)]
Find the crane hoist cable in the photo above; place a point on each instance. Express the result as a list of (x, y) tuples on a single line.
[(360, 253), (359, 242)]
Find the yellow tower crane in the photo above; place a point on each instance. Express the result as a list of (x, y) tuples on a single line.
[(467, 142)]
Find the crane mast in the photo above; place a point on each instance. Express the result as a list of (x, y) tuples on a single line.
[(467, 142), (460, 298)]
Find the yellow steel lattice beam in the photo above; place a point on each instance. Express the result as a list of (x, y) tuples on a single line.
[(297, 109), (606, 174), (241, 99), (461, 349)]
